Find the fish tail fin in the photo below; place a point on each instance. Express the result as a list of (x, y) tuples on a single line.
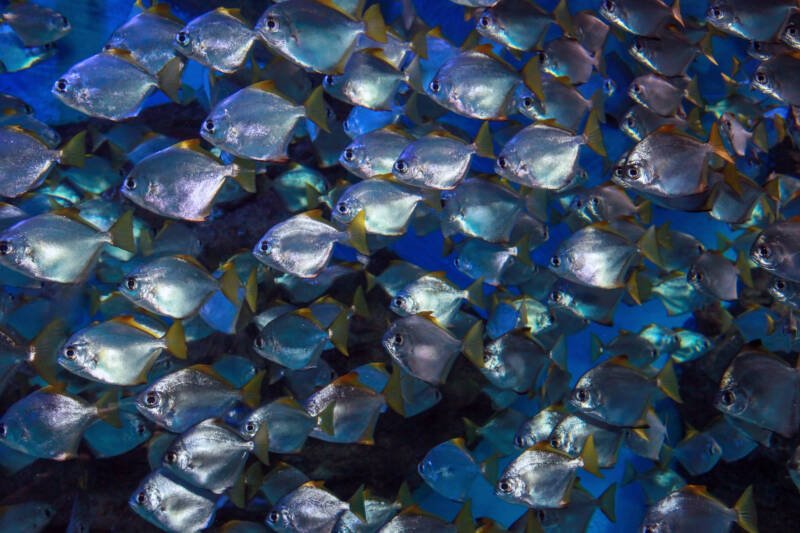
[(645, 211), (261, 444), (338, 332), (313, 196), (470, 430), (694, 123), (229, 284), (532, 77), (723, 243), (251, 289), (523, 247), (648, 245), (630, 474), (483, 141), (360, 305), (668, 382), (237, 494), (404, 496), (599, 102), (475, 294), (607, 502), (563, 17), (473, 343), (589, 456), (169, 78), (463, 521), (593, 134), (121, 232), (743, 266), (760, 136), (419, 43), (357, 232), (393, 392), (315, 109), (374, 26), (357, 503), (676, 13), (246, 174), (253, 479), (746, 511), (107, 405), (717, 146), (413, 75), (43, 350), (73, 154), (707, 49), (596, 347), (325, 418), (558, 353), (490, 468), (175, 339), (251, 392)]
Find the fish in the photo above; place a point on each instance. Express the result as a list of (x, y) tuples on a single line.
[(303, 244), (656, 483), (172, 506), (309, 508), (652, 166), (114, 72), (294, 29), (32, 516), (516, 24), (59, 246), (374, 153), (774, 77), (499, 431), (434, 294), (714, 275), (693, 505), (369, 80), (182, 181), (377, 512), (425, 350), (617, 393), (15, 56), (40, 353), (514, 361), (669, 54), (218, 39), (561, 101), (481, 208), (546, 156), (639, 350), (28, 158), (258, 122), (449, 469), (346, 411), (212, 456), (288, 424), (296, 339), (105, 440), (577, 515), (149, 37), (693, 345), (745, 20), (542, 476), (648, 18), (698, 452), (565, 57), (28, 123), (440, 160), (639, 121), (772, 250), (49, 424), (478, 84), (591, 303), (744, 395), (179, 400), (606, 202), (176, 286), (659, 95), (35, 24), (299, 185), (120, 351), (497, 264), (388, 205)]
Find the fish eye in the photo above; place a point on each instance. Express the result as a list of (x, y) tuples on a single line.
[(341, 207), (208, 125), (727, 397), (698, 275), (504, 486), (5, 248), (61, 85), (397, 339), (715, 12), (349, 154), (487, 357), (636, 88), (328, 80), (266, 246), (502, 162), (259, 342), (485, 20), (151, 399), (633, 172), (555, 296), (700, 248), (594, 200), (171, 457), (780, 284), (401, 166), (519, 442), (554, 443), (107, 47), (250, 427), (140, 429), (527, 102), (650, 528), (637, 45), (609, 6), (130, 183), (761, 77), (435, 87), (141, 498), (756, 45), (274, 516), (183, 38), (555, 261), (130, 282), (70, 353), (581, 395), (653, 353), (791, 30), (399, 301), (3, 431), (618, 172), (64, 22), (272, 25), (764, 251)]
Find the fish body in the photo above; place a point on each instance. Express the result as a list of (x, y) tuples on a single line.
[(173, 506), (565, 57), (387, 205), (149, 37), (516, 24), (639, 121), (693, 507), (480, 208), (369, 80), (308, 508), (421, 348), (449, 469), (374, 153), (514, 362), (648, 17), (288, 423), (562, 102), (218, 39), (27, 158), (747, 20), (774, 250), (436, 161), (657, 94), (714, 275), (669, 54), (434, 294), (776, 77)]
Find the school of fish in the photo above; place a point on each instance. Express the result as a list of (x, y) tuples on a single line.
[(549, 157)]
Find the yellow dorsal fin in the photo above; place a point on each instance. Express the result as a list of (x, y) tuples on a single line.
[(232, 12), (128, 320), (192, 260)]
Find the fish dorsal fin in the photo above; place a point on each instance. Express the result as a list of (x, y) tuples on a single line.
[(192, 260), (73, 213), (398, 129), (350, 380), (163, 11), (699, 490), (428, 315), (315, 484), (545, 447), (269, 87), (194, 146), (288, 401), (487, 50), (377, 53), (130, 321), (208, 370), (444, 134), (621, 360), (440, 274), (232, 12), (332, 5), (124, 55), (306, 313), (29, 133)]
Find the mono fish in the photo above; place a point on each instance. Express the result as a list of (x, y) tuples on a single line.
[(218, 39), (173, 506)]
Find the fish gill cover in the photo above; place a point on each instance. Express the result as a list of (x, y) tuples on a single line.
[(340, 266)]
